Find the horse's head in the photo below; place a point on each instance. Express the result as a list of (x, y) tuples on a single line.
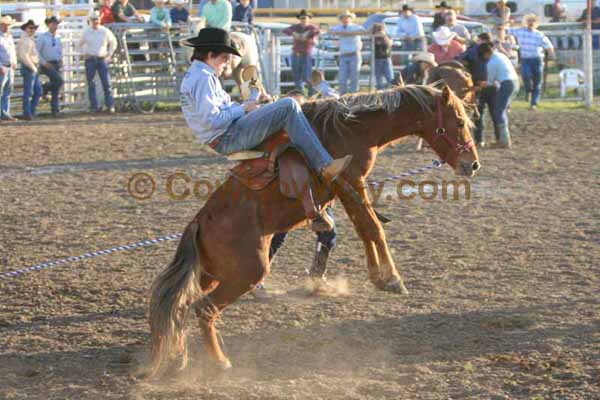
[(449, 133), (237, 42)]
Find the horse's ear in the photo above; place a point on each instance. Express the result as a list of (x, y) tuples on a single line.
[(446, 94)]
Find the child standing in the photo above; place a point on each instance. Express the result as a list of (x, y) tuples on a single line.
[(383, 57)]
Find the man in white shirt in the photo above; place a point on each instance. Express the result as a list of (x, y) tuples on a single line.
[(98, 45), (8, 63), (463, 35)]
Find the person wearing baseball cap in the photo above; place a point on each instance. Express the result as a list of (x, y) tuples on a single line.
[(97, 44), (180, 14), (28, 56), (229, 127), (8, 63), (305, 35), (49, 46)]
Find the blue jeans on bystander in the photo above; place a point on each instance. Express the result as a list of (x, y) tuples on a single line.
[(383, 73), (99, 65), (6, 81), (301, 71), (532, 72), (504, 95), (56, 82), (32, 91), (349, 71)]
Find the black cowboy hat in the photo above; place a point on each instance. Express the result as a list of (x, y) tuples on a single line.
[(304, 13), (215, 39), (406, 7), (48, 21), (28, 24), (443, 4)]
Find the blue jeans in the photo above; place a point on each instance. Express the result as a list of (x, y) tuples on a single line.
[(253, 128), (508, 90), (383, 73), (484, 98), (93, 65), (32, 91), (6, 81), (349, 70), (301, 70), (532, 72), (56, 82)]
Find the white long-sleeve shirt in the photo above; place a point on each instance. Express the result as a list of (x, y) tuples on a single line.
[(27, 52), (97, 42), (8, 51)]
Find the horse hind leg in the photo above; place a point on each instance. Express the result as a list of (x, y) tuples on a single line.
[(209, 308)]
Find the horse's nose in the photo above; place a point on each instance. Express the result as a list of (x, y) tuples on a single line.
[(475, 166)]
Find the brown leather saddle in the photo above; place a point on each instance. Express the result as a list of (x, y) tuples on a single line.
[(275, 157)]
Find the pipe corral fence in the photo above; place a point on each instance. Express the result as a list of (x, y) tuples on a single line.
[(149, 63)]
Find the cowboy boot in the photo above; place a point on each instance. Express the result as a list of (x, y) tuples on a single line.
[(335, 168), (503, 136)]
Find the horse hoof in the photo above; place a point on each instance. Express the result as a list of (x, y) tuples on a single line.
[(224, 365), (395, 286)]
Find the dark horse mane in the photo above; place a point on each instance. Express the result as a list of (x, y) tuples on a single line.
[(334, 116)]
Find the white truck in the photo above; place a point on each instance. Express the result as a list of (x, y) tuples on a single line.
[(475, 8)]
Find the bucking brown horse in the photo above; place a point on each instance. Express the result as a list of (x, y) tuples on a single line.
[(224, 250)]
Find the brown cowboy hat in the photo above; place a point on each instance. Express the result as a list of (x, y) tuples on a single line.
[(444, 4), (304, 13), (28, 24), (215, 39)]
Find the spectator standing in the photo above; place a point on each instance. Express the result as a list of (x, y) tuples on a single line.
[(124, 11), (350, 46), (416, 72), (180, 14), (501, 13), (98, 44), (243, 12), (445, 47), (384, 74), (595, 23), (49, 47), (476, 64), (558, 12), (218, 14), (27, 55), (305, 35), (106, 13), (160, 15), (502, 76), (463, 35), (439, 18), (410, 30), (8, 64), (532, 44)]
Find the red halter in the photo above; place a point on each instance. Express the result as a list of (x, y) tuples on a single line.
[(440, 133)]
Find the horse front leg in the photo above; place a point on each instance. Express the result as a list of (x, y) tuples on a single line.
[(382, 270)]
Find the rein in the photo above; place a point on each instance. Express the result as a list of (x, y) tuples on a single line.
[(440, 133)]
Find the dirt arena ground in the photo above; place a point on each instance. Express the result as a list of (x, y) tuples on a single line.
[(504, 287)]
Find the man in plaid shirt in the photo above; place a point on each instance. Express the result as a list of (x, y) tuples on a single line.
[(532, 44)]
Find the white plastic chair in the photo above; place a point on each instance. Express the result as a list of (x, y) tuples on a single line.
[(571, 78)]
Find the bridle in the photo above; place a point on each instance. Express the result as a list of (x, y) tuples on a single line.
[(440, 133)]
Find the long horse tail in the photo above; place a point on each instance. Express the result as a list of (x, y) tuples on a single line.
[(172, 294)]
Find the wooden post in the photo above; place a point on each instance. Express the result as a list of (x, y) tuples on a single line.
[(588, 58)]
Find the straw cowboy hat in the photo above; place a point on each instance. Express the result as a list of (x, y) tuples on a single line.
[(215, 39), (347, 13), (160, 1), (94, 15), (7, 20), (425, 57), (180, 1), (28, 24), (304, 13), (530, 17), (443, 36)]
